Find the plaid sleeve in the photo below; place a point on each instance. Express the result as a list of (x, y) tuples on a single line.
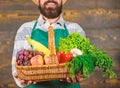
[(74, 27), (20, 43)]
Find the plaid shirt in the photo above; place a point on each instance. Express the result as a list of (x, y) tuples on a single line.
[(26, 29)]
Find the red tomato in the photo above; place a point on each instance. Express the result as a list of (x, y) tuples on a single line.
[(59, 55), (67, 57), (62, 57)]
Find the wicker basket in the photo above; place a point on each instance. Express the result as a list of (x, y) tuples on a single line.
[(44, 72)]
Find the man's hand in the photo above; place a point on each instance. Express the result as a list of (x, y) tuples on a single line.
[(76, 79), (23, 82)]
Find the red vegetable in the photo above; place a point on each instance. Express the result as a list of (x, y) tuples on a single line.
[(62, 57), (59, 55)]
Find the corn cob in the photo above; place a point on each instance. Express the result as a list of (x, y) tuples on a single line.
[(38, 46)]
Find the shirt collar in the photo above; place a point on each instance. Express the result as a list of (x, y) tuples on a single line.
[(60, 22)]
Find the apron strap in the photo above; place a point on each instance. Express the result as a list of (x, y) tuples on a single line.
[(35, 24), (66, 28)]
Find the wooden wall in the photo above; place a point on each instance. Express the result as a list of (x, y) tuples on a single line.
[(99, 18)]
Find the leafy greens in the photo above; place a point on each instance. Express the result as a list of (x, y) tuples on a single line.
[(92, 56)]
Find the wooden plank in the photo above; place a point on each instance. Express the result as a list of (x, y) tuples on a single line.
[(76, 4), (83, 4), (99, 18), (89, 18), (105, 38), (6, 42)]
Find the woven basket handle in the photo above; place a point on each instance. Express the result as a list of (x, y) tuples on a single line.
[(51, 46)]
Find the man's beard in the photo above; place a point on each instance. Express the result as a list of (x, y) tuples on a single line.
[(50, 12)]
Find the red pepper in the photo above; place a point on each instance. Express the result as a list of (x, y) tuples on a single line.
[(62, 57)]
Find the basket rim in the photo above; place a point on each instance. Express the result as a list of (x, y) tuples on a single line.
[(45, 65)]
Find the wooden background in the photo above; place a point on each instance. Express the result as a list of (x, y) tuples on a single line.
[(99, 18)]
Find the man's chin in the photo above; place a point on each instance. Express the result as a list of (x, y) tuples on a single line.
[(50, 16)]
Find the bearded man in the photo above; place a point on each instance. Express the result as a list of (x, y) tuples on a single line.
[(50, 15)]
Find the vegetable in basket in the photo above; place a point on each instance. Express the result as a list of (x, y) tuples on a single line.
[(64, 57), (90, 58), (38, 46)]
